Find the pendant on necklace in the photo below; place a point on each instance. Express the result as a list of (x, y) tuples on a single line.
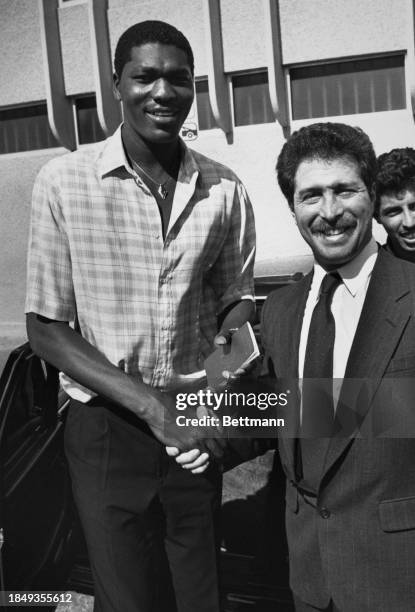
[(162, 191)]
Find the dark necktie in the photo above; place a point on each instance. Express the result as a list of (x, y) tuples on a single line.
[(317, 390)]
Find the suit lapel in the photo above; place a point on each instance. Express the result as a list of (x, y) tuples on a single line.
[(385, 314), (288, 350), (380, 323)]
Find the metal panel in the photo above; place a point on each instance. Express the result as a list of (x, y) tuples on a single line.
[(218, 86), (60, 111), (108, 108), (276, 77)]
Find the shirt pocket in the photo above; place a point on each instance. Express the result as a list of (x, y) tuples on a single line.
[(397, 514)]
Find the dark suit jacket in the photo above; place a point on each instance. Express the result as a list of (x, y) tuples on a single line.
[(356, 544)]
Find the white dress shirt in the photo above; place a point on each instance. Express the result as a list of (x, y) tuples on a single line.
[(346, 307)]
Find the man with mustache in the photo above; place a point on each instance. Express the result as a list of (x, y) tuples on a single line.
[(345, 338), (395, 200), (145, 246)]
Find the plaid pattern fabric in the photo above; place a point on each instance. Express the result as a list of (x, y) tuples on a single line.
[(96, 251)]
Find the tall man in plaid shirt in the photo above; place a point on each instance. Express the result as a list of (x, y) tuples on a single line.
[(142, 244)]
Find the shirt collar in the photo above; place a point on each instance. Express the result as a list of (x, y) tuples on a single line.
[(113, 156), (355, 273), (189, 166)]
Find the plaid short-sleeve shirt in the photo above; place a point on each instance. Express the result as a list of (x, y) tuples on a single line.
[(96, 252)]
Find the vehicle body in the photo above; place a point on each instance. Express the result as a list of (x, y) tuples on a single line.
[(36, 511)]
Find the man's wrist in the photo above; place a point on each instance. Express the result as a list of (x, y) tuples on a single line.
[(141, 399)]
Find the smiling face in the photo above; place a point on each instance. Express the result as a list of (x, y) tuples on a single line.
[(156, 90), (397, 215), (333, 209)]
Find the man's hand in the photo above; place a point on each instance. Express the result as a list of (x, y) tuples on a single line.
[(225, 337), (161, 418), (193, 460)]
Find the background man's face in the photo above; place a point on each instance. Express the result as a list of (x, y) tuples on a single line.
[(333, 209), (156, 90), (397, 215)]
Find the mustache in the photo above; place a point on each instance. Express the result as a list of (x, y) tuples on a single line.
[(323, 227)]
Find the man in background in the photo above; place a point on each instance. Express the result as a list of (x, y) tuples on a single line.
[(138, 247), (395, 200)]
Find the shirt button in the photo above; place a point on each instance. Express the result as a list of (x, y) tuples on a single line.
[(325, 512)]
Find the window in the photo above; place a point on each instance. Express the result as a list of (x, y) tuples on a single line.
[(347, 88), (204, 109), (25, 128), (251, 101), (89, 129)]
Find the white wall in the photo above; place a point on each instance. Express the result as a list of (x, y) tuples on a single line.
[(323, 29)]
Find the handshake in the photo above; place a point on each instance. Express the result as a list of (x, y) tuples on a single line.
[(235, 353)]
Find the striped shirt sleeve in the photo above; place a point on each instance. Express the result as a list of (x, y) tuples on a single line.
[(232, 276), (49, 272)]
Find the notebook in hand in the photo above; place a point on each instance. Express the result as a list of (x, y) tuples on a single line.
[(234, 355)]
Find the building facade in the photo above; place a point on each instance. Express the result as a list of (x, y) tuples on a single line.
[(263, 68)]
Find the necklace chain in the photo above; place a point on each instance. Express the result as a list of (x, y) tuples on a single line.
[(161, 187)]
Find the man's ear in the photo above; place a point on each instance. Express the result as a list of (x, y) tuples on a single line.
[(293, 213), (115, 83)]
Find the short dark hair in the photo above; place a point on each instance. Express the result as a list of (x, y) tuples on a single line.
[(396, 172), (326, 141), (149, 32)]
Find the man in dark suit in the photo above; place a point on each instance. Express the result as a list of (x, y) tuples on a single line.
[(350, 497), (395, 200)]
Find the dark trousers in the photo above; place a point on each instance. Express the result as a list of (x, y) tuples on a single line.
[(149, 524)]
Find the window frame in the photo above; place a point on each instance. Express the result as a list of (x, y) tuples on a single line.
[(351, 58), (31, 104), (74, 100), (66, 3), (248, 72)]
